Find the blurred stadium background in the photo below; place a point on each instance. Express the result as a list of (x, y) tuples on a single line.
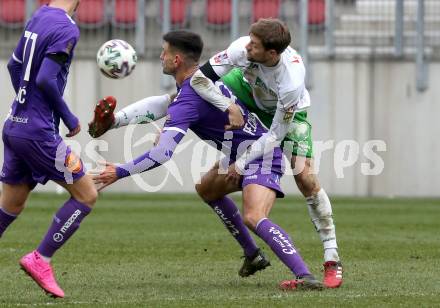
[(373, 71)]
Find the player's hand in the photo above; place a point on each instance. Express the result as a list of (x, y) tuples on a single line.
[(106, 177), (233, 176), (236, 120), (74, 131)]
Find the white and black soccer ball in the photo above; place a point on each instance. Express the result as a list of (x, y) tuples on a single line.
[(116, 59)]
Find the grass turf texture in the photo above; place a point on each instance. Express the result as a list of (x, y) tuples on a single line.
[(172, 251)]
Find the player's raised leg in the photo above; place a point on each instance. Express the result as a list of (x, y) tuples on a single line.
[(143, 111), (213, 189), (257, 203), (320, 211)]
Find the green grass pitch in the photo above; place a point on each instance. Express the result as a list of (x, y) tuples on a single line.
[(158, 250)]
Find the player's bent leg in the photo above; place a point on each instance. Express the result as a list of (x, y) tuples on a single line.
[(320, 211), (257, 203), (12, 202), (213, 189), (213, 185), (65, 223), (83, 190), (143, 111)]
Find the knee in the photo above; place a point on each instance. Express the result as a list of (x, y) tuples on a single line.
[(13, 208), (89, 197), (205, 193), (308, 184), (251, 219), (200, 191)]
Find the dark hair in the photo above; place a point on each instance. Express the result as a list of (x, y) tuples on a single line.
[(272, 32), (189, 43)]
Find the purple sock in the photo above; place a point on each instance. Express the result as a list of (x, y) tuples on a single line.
[(228, 212), (281, 244), (65, 222), (5, 220)]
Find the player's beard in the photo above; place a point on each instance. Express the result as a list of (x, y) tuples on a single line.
[(251, 59), (256, 59), (167, 69)]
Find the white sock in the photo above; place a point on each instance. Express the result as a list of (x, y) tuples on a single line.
[(331, 254), (143, 111), (320, 210), (45, 259)]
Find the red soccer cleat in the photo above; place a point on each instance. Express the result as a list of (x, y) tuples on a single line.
[(42, 273), (332, 274), (103, 118), (304, 283)]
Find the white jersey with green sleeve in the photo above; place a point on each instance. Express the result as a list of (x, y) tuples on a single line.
[(279, 90), (281, 85)]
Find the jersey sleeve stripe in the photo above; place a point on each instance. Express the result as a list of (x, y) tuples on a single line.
[(16, 59), (175, 129)]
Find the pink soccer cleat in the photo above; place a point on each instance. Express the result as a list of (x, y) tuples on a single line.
[(42, 273)]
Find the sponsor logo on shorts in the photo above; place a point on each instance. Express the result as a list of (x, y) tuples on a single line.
[(251, 177), (274, 178), (73, 163), (300, 131)]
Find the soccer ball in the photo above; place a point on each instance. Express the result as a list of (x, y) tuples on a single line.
[(116, 59)]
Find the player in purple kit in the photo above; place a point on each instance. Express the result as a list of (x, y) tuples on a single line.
[(34, 152), (180, 56)]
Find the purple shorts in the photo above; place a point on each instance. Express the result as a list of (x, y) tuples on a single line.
[(271, 181), (268, 173), (31, 162)]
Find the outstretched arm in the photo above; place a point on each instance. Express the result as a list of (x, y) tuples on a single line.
[(156, 157)]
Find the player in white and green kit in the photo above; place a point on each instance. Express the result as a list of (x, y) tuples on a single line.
[(298, 139), (269, 77)]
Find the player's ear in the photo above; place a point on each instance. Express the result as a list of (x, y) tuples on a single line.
[(178, 59), (273, 52)]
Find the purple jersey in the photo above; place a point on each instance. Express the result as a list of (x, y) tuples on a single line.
[(32, 115), (190, 111)]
